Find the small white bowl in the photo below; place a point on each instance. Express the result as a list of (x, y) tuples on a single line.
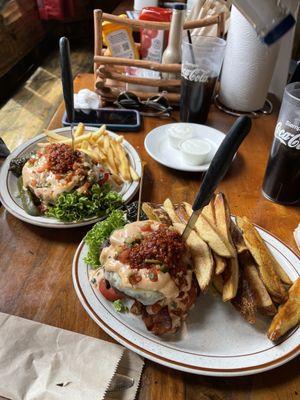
[(178, 133), (195, 151)]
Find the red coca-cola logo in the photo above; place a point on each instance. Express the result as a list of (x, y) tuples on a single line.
[(287, 138)]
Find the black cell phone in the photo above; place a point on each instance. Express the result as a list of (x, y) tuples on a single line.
[(115, 119)]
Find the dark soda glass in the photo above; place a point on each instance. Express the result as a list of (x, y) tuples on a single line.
[(282, 178), (195, 100), (202, 59)]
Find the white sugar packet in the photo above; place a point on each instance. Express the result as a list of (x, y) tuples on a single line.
[(40, 362)]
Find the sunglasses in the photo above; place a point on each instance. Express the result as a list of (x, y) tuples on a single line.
[(153, 107)]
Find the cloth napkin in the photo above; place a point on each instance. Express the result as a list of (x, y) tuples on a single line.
[(40, 362)]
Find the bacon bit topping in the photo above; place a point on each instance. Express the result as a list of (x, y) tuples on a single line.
[(61, 158), (135, 278), (164, 245)]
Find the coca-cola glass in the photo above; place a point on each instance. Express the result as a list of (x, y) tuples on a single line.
[(282, 178), (200, 68)]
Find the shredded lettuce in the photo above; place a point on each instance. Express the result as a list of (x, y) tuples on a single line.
[(100, 232), (75, 207)]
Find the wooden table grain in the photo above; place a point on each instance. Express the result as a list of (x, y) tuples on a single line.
[(35, 268)]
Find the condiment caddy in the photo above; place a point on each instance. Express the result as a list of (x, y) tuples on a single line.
[(110, 75)]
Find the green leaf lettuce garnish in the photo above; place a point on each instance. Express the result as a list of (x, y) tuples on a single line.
[(100, 201), (100, 232)]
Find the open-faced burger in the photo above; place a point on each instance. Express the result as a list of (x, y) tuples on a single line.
[(58, 169), (148, 262)]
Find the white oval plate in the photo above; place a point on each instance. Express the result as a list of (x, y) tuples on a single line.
[(215, 340), (9, 190), (158, 147)]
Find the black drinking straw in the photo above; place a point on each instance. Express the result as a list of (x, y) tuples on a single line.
[(191, 43)]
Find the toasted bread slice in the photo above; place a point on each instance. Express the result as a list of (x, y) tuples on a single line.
[(170, 210), (201, 254), (211, 235), (244, 300), (238, 239), (262, 298), (220, 264), (264, 259), (288, 315)]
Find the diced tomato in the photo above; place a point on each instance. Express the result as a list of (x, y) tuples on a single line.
[(146, 227), (104, 178), (108, 291), (152, 274)]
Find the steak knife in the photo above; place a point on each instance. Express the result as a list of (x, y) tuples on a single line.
[(67, 81), (218, 168)]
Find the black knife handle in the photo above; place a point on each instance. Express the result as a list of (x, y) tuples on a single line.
[(222, 160), (66, 77)]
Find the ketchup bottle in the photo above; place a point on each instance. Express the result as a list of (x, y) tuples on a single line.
[(153, 40)]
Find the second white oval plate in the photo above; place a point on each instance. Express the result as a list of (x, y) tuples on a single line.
[(215, 340), (158, 147), (9, 190)]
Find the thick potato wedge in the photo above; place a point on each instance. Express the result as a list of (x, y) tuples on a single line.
[(266, 262), (218, 283), (201, 254), (231, 274), (169, 208), (262, 298), (149, 211), (156, 213), (209, 211), (181, 213), (220, 264), (244, 300), (211, 235), (238, 239), (288, 314), (222, 215), (231, 279)]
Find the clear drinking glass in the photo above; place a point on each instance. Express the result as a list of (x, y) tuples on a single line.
[(200, 68), (282, 178)]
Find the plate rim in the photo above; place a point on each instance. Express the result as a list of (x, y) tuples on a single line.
[(229, 372), (54, 223), (160, 161)]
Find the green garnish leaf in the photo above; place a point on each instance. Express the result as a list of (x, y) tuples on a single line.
[(119, 306), (100, 232), (100, 201)]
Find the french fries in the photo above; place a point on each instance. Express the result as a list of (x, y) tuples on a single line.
[(102, 148)]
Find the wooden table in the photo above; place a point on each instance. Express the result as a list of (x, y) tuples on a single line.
[(35, 264)]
